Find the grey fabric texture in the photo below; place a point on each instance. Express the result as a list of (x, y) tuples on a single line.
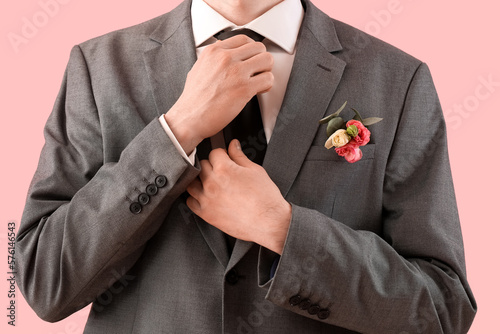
[(377, 243)]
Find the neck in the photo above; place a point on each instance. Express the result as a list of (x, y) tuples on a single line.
[(241, 12)]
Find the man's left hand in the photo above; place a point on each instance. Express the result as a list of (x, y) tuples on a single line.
[(239, 198)]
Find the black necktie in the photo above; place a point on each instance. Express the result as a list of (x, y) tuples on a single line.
[(247, 127)]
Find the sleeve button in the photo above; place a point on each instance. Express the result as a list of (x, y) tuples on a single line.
[(305, 304), (295, 300), (135, 208), (143, 199), (161, 181), (323, 314), (313, 309), (151, 189)]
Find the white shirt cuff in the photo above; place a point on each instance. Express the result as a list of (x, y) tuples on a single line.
[(174, 140)]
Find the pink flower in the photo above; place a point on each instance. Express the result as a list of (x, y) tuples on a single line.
[(363, 136), (350, 152)]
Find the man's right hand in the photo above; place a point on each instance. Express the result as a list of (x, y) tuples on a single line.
[(224, 78)]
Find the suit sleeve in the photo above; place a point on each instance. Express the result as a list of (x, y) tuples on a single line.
[(83, 221), (411, 277)]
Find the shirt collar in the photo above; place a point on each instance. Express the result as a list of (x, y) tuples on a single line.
[(280, 24)]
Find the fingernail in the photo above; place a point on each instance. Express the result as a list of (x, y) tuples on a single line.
[(238, 145)]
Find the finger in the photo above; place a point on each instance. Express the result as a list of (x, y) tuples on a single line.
[(262, 82), (237, 155), (218, 155), (234, 42), (249, 50), (195, 188), (262, 62), (206, 169), (194, 205)]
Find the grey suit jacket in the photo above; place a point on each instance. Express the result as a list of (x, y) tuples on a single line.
[(373, 247)]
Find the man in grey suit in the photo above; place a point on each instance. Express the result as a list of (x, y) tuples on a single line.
[(122, 213)]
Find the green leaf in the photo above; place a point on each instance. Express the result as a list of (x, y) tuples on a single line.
[(358, 115), (371, 120), (332, 116), (334, 124), (340, 109)]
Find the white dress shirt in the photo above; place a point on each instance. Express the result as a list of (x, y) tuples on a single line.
[(280, 26)]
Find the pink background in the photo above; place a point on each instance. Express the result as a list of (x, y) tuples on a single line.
[(458, 40)]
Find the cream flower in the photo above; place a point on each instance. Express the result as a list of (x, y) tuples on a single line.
[(338, 139)]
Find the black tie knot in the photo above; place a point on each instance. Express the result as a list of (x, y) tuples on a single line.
[(222, 35)]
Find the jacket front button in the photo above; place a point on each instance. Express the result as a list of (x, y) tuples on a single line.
[(135, 208), (161, 181), (232, 277), (151, 189), (295, 300), (323, 313)]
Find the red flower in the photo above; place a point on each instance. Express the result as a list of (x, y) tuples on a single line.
[(350, 152), (363, 136)]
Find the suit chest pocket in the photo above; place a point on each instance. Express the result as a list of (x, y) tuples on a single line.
[(326, 182)]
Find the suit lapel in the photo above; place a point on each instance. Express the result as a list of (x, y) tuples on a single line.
[(315, 76), (171, 56), (215, 239), (168, 62)]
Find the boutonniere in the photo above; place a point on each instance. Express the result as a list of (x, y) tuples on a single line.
[(348, 137)]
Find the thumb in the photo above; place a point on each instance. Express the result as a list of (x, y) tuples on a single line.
[(236, 154)]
